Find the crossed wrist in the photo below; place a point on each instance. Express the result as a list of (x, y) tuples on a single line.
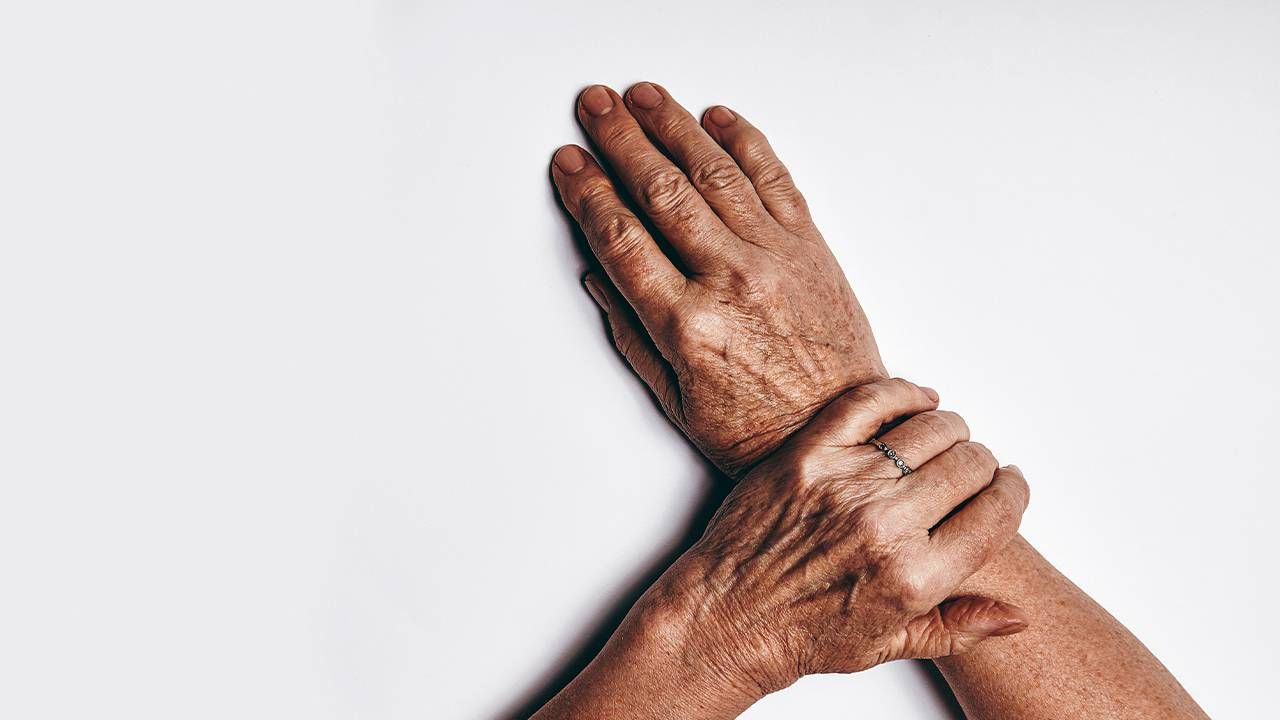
[(676, 629)]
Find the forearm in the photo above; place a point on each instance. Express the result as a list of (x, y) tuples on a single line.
[(1074, 660), (645, 673)]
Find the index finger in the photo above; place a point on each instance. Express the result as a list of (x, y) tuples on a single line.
[(640, 270)]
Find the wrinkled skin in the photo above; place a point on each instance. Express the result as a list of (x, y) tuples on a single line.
[(824, 558), (817, 564), (735, 313), (725, 300)]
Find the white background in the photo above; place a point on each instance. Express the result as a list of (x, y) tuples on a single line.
[(304, 413)]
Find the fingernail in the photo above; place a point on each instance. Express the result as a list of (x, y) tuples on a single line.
[(645, 95), (597, 294), (1007, 620), (1009, 628), (722, 116), (569, 159), (933, 394), (596, 100)]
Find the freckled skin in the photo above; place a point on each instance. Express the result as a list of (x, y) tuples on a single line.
[(815, 564), (762, 332), (740, 321)]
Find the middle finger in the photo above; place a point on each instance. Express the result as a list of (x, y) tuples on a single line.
[(716, 176), (660, 189)]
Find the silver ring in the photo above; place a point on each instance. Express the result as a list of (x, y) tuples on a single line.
[(889, 453)]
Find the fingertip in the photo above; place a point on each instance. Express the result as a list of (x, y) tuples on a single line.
[(569, 159), (644, 95), (1011, 620), (596, 100), (719, 116), (592, 284), (984, 617), (1014, 475), (1013, 627)]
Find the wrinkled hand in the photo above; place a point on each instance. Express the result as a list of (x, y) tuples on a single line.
[(733, 310), (821, 561)]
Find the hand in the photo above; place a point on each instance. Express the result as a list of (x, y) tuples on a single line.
[(736, 314), (825, 558)]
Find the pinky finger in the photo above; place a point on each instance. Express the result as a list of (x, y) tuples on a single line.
[(634, 344), (981, 528), (751, 150)]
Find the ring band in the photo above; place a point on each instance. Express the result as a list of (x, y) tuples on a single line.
[(892, 455)]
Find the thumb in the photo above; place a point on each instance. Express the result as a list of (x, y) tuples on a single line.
[(634, 344), (957, 626)]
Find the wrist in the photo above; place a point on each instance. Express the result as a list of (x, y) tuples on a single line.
[(656, 666), (674, 632)]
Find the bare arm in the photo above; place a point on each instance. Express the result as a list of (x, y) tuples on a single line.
[(743, 325), (816, 563), (1074, 661)]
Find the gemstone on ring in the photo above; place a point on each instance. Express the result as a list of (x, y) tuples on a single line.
[(890, 453)]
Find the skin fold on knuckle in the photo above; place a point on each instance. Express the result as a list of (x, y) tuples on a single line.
[(665, 192), (906, 588), (878, 528), (670, 128), (719, 174), (693, 329), (621, 139), (956, 422), (592, 197), (774, 178), (616, 233), (976, 460), (871, 399)]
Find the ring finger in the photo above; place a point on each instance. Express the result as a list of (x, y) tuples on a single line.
[(919, 439)]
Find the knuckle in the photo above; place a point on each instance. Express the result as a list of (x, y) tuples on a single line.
[(956, 422), (756, 284), (774, 178), (664, 191), (977, 458), (717, 173), (692, 328), (621, 138), (871, 397), (877, 525), (617, 234), (901, 385), (803, 473), (908, 588), (593, 197)]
